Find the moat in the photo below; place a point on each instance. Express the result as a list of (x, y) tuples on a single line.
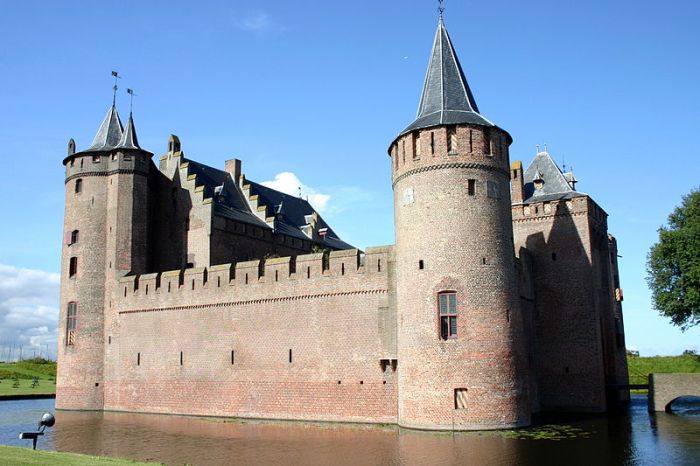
[(634, 437)]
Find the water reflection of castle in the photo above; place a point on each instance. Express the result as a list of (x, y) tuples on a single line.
[(188, 289)]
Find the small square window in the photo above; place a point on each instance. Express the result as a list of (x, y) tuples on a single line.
[(461, 398)]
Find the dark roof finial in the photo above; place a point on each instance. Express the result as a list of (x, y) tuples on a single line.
[(441, 9), (131, 100), (114, 88)]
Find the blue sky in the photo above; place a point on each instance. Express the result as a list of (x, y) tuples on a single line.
[(316, 91)]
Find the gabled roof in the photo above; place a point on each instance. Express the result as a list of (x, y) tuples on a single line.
[(231, 203), (554, 183), (129, 139), (446, 98), (110, 132), (292, 215)]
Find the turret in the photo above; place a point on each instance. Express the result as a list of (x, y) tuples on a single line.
[(460, 343), (105, 236)]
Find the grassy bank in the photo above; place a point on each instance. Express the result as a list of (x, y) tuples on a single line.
[(32, 376), (641, 367), (27, 456)]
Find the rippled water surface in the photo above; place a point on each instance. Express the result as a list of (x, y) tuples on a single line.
[(634, 437)]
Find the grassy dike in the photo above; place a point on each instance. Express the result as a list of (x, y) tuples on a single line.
[(17, 378), (27, 456), (639, 368)]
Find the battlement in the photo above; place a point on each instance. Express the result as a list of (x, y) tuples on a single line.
[(548, 209), (451, 146), (346, 271)]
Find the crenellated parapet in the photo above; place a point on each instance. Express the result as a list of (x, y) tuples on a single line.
[(343, 272), (450, 147)]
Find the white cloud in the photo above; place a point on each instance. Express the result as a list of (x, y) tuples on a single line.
[(258, 23), (289, 183), (28, 311)]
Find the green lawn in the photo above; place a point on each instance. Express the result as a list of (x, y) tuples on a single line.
[(641, 367), (27, 456), (17, 378)]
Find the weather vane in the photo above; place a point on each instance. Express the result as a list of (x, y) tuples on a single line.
[(114, 95), (441, 8), (131, 99)]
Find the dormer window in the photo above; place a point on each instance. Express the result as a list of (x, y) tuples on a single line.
[(537, 180)]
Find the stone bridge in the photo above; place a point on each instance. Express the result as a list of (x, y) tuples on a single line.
[(664, 388)]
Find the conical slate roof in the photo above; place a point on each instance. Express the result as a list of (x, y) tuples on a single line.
[(129, 139), (446, 97), (110, 132)]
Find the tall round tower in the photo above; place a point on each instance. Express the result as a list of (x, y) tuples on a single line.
[(462, 362), (105, 236)]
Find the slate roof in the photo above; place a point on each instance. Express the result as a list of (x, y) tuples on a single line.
[(231, 203), (555, 185), (446, 97), (129, 139), (110, 132)]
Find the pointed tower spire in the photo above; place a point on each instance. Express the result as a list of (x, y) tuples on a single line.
[(110, 132), (446, 98), (129, 139)]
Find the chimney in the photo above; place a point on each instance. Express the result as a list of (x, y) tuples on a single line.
[(517, 185), (233, 166)]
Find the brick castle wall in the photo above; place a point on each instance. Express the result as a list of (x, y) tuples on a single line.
[(337, 322), (569, 320)]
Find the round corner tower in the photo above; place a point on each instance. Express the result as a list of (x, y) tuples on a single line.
[(105, 236), (461, 354)]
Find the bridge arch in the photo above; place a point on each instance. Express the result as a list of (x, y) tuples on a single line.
[(694, 398), (664, 389)]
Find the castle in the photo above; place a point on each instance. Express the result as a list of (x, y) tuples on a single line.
[(187, 289)]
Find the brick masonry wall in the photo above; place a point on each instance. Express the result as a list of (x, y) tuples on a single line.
[(335, 322), (234, 241), (465, 243), (171, 207), (617, 325), (568, 322)]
